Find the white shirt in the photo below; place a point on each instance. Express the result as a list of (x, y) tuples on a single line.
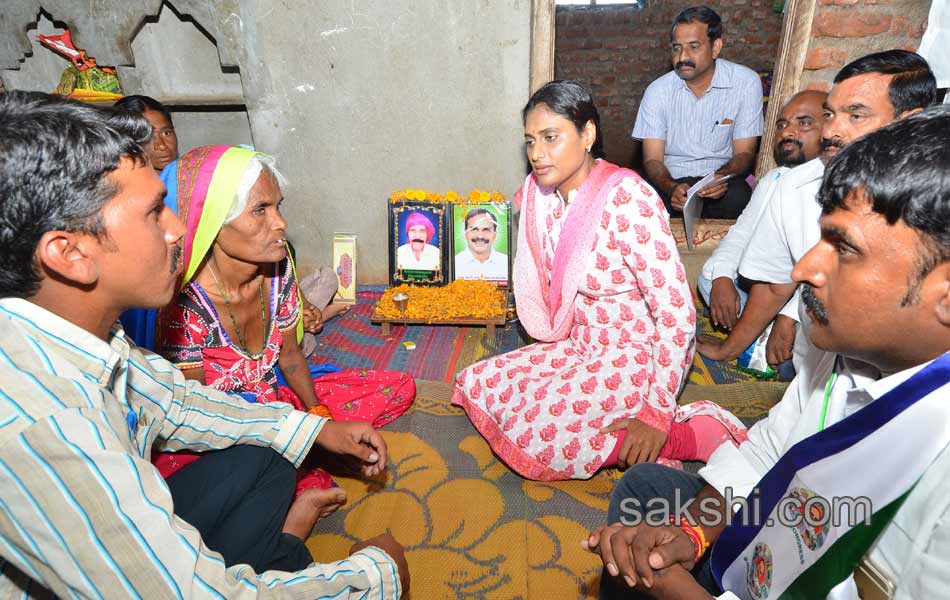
[(787, 230), (914, 550), (724, 261), (698, 132), (467, 266), (428, 260), (935, 45)]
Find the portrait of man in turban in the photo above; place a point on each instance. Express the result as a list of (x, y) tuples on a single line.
[(420, 252)]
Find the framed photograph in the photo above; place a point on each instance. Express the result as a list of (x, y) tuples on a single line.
[(344, 263), (418, 245), (482, 242)]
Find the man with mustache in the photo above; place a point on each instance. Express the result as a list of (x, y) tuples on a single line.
[(417, 254), (479, 259), (865, 419), (798, 140), (705, 115), (867, 94), (84, 235)]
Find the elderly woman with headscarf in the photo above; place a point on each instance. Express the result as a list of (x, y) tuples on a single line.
[(237, 317)]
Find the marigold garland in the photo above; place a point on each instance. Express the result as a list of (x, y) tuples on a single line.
[(461, 299), (474, 197)]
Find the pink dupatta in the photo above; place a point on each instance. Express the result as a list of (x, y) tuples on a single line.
[(547, 309)]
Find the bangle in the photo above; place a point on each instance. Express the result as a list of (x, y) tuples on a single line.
[(320, 410), (696, 535)]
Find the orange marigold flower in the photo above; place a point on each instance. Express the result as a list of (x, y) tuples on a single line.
[(461, 299)]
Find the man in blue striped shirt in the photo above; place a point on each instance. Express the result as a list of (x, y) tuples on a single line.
[(84, 235), (704, 115)]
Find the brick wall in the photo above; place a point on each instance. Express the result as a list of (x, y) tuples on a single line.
[(618, 50), (844, 30)]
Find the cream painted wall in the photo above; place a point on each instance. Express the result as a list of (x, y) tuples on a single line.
[(357, 98), (361, 98)]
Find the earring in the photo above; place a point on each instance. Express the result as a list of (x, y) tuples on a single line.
[(588, 149)]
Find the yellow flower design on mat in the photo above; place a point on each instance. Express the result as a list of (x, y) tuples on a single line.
[(460, 540), (594, 492)]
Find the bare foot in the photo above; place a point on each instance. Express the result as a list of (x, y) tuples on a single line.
[(335, 310), (311, 506)]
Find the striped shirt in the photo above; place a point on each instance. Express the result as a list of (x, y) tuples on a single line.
[(699, 131), (82, 511)]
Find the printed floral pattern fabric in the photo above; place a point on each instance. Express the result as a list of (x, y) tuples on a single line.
[(194, 337), (541, 407)]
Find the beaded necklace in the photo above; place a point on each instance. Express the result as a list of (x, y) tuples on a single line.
[(227, 303)]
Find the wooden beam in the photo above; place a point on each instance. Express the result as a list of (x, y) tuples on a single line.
[(542, 43), (787, 78)]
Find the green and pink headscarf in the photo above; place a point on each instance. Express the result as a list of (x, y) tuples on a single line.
[(208, 180)]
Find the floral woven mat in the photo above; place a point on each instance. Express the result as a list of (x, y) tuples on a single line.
[(471, 527)]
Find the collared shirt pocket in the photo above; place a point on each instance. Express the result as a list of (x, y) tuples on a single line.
[(720, 136)]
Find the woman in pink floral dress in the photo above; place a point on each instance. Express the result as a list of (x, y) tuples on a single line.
[(599, 282)]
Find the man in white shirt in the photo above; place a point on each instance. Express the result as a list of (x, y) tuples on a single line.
[(417, 254), (479, 259), (798, 140), (877, 291), (868, 93), (705, 115)]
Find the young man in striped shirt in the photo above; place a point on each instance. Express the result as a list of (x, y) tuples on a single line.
[(85, 235)]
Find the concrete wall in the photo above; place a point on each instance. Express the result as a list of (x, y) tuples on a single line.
[(619, 50), (362, 98), (177, 63), (357, 98), (43, 69), (206, 127)]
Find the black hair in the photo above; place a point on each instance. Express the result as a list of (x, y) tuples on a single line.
[(55, 158), (572, 101), (904, 168), (700, 14), (139, 104), (913, 85), (480, 211)]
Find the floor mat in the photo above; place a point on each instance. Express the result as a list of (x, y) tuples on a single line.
[(351, 341), (471, 527), (706, 371)]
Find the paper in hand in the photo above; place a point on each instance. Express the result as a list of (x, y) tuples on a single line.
[(694, 203)]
